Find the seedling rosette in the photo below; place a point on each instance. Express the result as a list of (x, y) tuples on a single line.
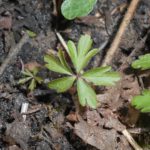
[(31, 77), (80, 57)]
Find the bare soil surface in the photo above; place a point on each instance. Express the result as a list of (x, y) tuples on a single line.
[(51, 122)]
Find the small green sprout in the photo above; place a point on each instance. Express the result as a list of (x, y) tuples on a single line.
[(142, 63), (77, 8), (31, 33), (31, 77), (142, 102), (80, 57)]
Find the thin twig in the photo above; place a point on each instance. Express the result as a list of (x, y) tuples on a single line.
[(32, 110), (12, 53), (62, 41), (24, 109), (126, 20), (131, 140)]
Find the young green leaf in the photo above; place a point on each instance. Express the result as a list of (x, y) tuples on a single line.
[(142, 102), (77, 8), (35, 71), (84, 62), (38, 79), (31, 76), (62, 84), (84, 45), (72, 52), (97, 71), (86, 94), (31, 33), (142, 63), (24, 80), (32, 85), (101, 76), (63, 60), (54, 64), (27, 73)]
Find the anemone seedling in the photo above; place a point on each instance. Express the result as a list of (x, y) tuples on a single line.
[(80, 57), (30, 77), (142, 102)]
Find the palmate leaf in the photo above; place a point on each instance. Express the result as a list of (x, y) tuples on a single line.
[(86, 94), (84, 61), (77, 8), (101, 76), (62, 84), (142, 63), (55, 65), (31, 76), (82, 56), (142, 102), (84, 45)]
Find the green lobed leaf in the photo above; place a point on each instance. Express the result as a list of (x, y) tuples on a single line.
[(77, 8), (62, 84), (63, 60), (72, 52), (86, 94), (102, 76), (84, 45), (54, 64), (142, 63), (142, 102), (84, 62)]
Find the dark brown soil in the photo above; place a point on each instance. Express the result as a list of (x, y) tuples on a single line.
[(47, 128)]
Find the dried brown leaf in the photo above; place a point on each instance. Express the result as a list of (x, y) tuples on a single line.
[(6, 22), (72, 117), (93, 117), (32, 65), (98, 137)]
